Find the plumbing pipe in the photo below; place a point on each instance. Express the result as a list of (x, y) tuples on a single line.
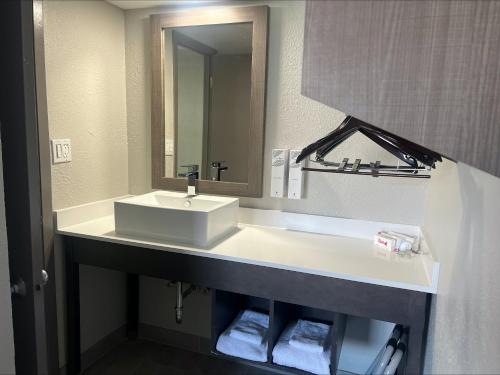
[(396, 358), (389, 350), (179, 306)]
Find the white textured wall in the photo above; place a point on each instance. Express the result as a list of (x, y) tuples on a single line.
[(462, 225), (168, 85), (85, 62), (7, 365), (230, 115), (138, 73), (85, 66), (292, 121), (190, 101)]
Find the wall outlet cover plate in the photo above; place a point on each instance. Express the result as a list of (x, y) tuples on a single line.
[(61, 150)]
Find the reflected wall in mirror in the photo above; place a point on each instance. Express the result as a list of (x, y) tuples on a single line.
[(207, 73), (208, 95)]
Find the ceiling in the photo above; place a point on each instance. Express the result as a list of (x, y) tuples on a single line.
[(135, 4), (227, 39)]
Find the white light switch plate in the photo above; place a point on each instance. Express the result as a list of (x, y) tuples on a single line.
[(169, 147), (61, 150)]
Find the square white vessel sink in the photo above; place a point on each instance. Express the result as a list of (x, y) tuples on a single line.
[(198, 220)]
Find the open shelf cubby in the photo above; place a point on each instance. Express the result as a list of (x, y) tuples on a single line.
[(284, 313), (227, 305)]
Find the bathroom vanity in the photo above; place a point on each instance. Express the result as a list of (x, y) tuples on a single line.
[(272, 261), (288, 265)]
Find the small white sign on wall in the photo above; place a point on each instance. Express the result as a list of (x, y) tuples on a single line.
[(279, 171), (295, 175)]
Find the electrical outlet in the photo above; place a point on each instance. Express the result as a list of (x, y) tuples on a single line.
[(61, 151)]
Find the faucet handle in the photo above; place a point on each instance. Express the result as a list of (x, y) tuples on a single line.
[(218, 163), (191, 167)]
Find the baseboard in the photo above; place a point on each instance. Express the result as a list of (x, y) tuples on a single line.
[(100, 348), (173, 338), (103, 346), (160, 335)]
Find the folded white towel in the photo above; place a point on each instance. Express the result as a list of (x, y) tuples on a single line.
[(286, 355), (250, 326), (310, 336), (242, 349)]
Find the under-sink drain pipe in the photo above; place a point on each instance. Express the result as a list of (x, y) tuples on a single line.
[(179, 306)]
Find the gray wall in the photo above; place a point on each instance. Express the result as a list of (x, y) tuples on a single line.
[(6, 333), (461, 224), (230, 115), (190, 109), (157, 302), (85, 71)]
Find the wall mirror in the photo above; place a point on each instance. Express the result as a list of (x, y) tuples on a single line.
[(208, 98)]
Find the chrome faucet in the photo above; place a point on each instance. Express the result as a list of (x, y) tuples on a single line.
[(217, 168), (192, 175)]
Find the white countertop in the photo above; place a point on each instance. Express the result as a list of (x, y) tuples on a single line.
[(348, 258)]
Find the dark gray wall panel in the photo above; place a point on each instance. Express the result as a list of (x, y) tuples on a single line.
[(428, 71)]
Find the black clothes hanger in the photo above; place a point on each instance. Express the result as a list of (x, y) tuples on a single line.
[(417, 158)]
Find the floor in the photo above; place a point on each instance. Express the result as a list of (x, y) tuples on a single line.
[(147, 358)]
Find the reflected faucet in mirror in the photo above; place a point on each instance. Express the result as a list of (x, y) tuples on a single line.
[(217, 167), (192, 175)]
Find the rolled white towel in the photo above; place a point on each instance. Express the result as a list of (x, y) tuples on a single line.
[(286, 355), (310, 336), (250, 326)]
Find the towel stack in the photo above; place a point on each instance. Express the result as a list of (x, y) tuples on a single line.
[(246, 337), (305, 345)]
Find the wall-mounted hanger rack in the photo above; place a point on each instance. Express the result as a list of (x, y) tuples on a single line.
[(417, 158)]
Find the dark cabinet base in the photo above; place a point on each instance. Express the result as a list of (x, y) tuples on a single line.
[(286, 295)]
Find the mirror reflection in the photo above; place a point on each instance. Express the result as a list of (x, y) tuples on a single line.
[(207, 80)]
